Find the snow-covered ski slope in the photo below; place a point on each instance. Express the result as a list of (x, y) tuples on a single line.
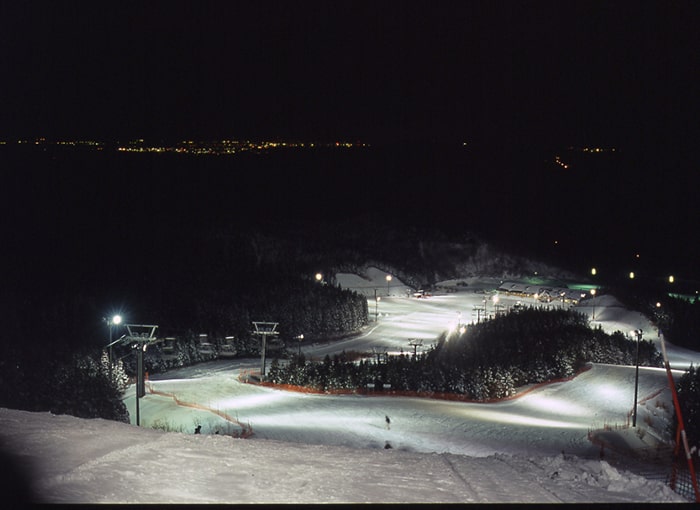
[(338, 448)]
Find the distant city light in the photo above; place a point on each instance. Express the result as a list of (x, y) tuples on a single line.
[(216, 147)]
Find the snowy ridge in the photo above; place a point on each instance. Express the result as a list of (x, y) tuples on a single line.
[(110, 462)]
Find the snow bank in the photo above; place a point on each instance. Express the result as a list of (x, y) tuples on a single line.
[(72, 460)]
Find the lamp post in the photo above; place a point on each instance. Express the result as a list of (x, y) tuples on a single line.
[(300, 338), (388, 281), (111, 322), (638, 335), (593, 301), (461, 327), (376, 306)]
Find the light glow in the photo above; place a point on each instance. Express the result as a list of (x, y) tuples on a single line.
[(519, 419), (555, 405), (251, 401)]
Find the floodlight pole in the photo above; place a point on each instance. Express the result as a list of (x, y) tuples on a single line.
[(111, 322), (110, 352), (376, 306), (638, 334), (300, 338)]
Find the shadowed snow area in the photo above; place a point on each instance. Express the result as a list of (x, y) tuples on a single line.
[(98, 461), (308, 448)]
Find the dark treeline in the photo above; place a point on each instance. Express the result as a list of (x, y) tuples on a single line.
[(490, 360), (676, 314), (679, 319), (688, 388)]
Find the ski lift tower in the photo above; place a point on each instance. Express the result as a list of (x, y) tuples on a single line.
[(264, 329), (415, 343), (139, 337)]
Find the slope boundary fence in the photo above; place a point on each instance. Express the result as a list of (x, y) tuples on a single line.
[(246, 428)]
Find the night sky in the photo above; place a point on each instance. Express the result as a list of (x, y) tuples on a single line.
[(588, 72), (518, 82)]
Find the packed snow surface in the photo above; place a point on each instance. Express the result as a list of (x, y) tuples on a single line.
[(98, 461), (307, 448)]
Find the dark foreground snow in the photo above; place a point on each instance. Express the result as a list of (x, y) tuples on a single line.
[(72, 460)]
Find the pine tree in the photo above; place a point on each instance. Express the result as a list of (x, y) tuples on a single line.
[(688, 389)]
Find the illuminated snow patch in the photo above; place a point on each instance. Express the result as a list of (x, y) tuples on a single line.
[(252, 401), (520, 419), (554, 405), (294, 418), (608, 391)]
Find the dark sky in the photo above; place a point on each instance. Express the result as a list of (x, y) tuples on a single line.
[(567, 72)]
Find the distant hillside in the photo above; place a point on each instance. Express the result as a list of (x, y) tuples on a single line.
[(419, 255)]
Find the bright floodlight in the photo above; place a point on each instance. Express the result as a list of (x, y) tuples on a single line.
[(594, 271), (319, 277), (671, 279), (388, 277), (117, 319)]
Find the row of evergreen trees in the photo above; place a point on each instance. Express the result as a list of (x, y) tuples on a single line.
[(58, 365), (688, 389), (679, 319), (79, 383), (490, 360)]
